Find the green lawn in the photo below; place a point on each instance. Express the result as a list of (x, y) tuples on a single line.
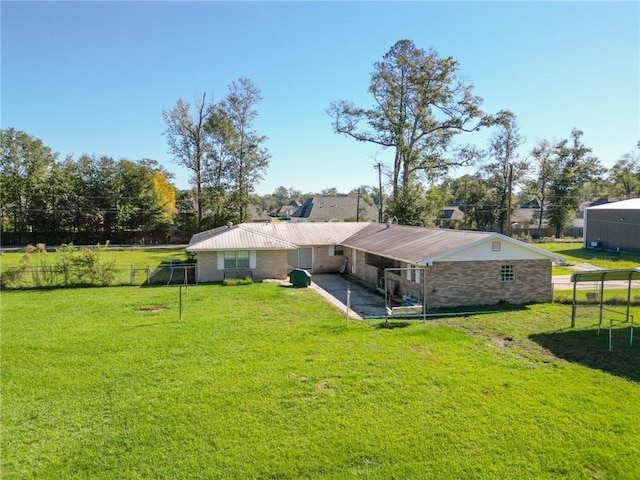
[(138, 257), (264, 381), (574, 253)]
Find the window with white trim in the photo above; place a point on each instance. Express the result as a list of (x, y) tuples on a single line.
[(236, 259), (338, 250), (508, 273)]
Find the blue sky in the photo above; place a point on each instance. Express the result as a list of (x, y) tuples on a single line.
[(94, 77)]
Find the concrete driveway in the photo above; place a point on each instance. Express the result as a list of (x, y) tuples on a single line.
[(365, 303)]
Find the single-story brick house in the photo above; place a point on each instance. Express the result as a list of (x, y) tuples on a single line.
[(453, 267)]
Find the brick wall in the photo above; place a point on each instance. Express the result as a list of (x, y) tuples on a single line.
[(479, 283), (269, 264), (323, 262), (452, 284)]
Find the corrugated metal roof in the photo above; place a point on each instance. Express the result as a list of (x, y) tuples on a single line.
[(237, 237), (273, 236), (411, 244), (400, 242), (605, 275), (631, 204)]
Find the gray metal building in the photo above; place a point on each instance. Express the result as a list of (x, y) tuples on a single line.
[(613, 226)]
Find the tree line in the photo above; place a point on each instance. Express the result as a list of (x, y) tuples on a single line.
[(85, 200), (422, 107)]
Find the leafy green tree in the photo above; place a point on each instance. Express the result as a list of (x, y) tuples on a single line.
[(574, 166), (421, 105), (186, 219), (624, 175), (23, 173), (410, 206), (544, 156), (189, 142), (476, 200), (506, 166), (330, 192), (240, 149)]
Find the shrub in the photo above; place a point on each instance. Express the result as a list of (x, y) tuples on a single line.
[(12, 277), (237, 281)]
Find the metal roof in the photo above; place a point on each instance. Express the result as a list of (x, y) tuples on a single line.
[(604, 275), (237, 237), (630, 204), (273, 236), (411, 244), (399, 242)]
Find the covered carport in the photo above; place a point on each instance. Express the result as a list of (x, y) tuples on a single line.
[(625, 277)]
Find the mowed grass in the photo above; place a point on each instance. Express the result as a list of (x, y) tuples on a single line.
[(264, 381), (136, 257), (574, 253)]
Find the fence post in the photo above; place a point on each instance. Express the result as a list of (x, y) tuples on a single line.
[(148, 275), (132, 275), (348, 304)]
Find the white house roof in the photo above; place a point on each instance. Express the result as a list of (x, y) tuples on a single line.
[(631, 204), (273, 236)]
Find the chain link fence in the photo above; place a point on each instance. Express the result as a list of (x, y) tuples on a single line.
[(43, 276)]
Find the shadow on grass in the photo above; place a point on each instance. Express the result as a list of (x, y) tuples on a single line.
[(588, 254), (391, 325), (471, 310), (171, 273), (592, 350)]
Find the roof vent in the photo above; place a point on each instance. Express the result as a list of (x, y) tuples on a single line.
[(229, 224), (388, 223)]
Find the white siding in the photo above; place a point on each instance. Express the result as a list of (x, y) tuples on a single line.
[(483, 252)]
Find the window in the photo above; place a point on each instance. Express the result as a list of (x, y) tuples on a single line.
[(508, 273), (337, 250), (237, 259)]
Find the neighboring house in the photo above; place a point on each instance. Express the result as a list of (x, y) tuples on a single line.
[(257, 214), (450, 217), (337, 209), (454, 267), (613, 226), (285, 211)]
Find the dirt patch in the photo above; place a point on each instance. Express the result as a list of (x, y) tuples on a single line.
[(325, 386), (503, 341), (150, 309)]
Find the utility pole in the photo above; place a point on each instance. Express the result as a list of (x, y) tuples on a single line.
[(358, 207), (379, 165), (508, 229)]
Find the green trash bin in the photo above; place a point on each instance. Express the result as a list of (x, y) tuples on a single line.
[(300, 277)]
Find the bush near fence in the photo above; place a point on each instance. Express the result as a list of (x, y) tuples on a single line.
[(74, 267), (22, 277)]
